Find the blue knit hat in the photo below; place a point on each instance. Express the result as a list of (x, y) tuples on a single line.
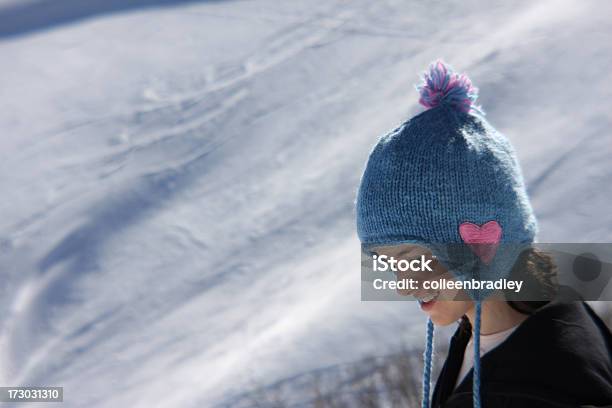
[(446, 176)]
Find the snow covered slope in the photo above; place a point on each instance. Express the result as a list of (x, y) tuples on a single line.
[(178, 177)]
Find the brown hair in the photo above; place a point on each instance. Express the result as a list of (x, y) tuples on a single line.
[(539, 273)]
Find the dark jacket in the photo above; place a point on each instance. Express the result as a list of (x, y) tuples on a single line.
[(561, 356)]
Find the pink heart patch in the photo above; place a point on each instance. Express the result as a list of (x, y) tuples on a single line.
[(483, 239)]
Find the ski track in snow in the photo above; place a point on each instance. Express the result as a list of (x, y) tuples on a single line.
[(180, 180)]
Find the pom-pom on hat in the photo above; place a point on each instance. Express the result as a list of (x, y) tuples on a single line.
[(441, 85), (446, 177)]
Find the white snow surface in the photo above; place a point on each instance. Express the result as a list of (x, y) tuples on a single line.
[(178, 178)]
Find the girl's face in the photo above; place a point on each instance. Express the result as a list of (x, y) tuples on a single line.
[(441, 312)]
